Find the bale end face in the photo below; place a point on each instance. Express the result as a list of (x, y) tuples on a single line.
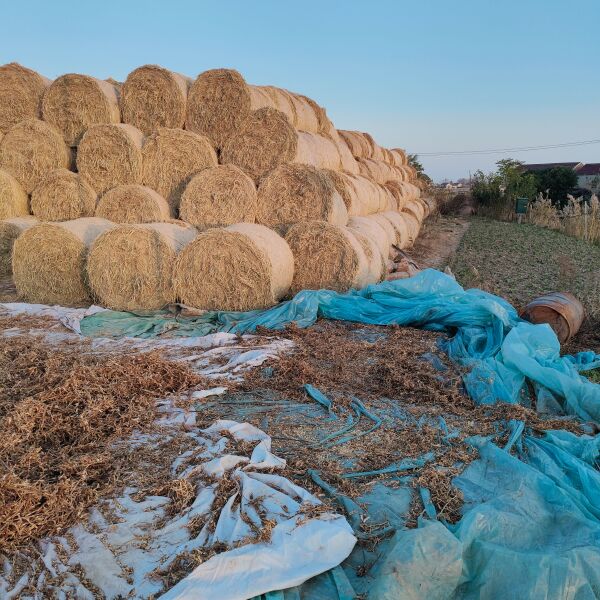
[(326, 257), (218, 197), (133, 204), (241, 267), (130, 267)]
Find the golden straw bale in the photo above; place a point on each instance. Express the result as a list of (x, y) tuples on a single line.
[(10, 230), (326, 256), (240, 267), (379, 171), (266, 139), (358, 144), (130, 267), (294, 193), (219, 196), (171, 157), (49, 261), (62, 196), (399, 156), (31, 149), (377, 266), (373, 229), (13, 199), (402, 228), (133, 203), (21, 92), (389, 229), (220, 100), (413, 225), (344, 184), (399, 191), (110, 155), (415, 208), (73, 103), (154, 97)]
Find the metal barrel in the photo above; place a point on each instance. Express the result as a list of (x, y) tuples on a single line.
[(561, 310)]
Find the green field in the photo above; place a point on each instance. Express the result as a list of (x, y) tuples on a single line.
[(521, 262)]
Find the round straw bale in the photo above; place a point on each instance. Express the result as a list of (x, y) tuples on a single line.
[(130, 267), (399, 192), (347, 161), (413, 226), (220, 100), (373, 229), (389, 229), (10, 230), (317, 150), (266, 139), (241, 267), (294, 193), (219, 196), (73, 103), (403, 239), (377, 266), (133, 203), (110, 155), (13, 199), (358, 143), (326, 256), (344, 184), (416, 209), (49, 261), (30, 150), (171, 157), (379, 171), (399, 156), (62, 196), (154, 97), (21, 92)]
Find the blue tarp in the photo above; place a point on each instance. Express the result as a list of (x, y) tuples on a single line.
[(487, 336), (530, 526)]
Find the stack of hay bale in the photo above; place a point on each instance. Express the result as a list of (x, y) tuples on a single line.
[(213, 192)]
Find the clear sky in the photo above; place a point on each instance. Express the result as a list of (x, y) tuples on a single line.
[(427, 75)]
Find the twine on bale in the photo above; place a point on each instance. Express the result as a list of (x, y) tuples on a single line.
[(10, 230), (326, 256), (294, 193), (21, 92), (241, 267), (171, 157), (63, 196), (133, 204), (49, 261), (219, 196), (111, 155), (130, 267), (73, 103), (13, 199), (31, 149), (154, 97)]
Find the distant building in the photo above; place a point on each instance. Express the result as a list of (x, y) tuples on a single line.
[(588, 174), (588, 177)]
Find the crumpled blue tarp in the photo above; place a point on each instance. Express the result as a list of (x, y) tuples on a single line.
[(500, 350)]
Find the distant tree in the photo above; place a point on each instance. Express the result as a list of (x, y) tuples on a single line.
[(415, 163), (556, 183), (503, 186)]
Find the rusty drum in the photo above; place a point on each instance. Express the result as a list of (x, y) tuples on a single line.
[(561, 310)]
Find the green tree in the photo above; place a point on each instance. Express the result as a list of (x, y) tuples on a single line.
[(556, 183), (503, 186), (415, 163)]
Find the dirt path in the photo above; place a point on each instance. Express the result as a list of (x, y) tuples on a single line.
[(438, 241)]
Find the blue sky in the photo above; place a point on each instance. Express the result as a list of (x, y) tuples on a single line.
[(427, 75)]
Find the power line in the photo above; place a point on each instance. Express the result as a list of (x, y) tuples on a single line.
[(501, 150)]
